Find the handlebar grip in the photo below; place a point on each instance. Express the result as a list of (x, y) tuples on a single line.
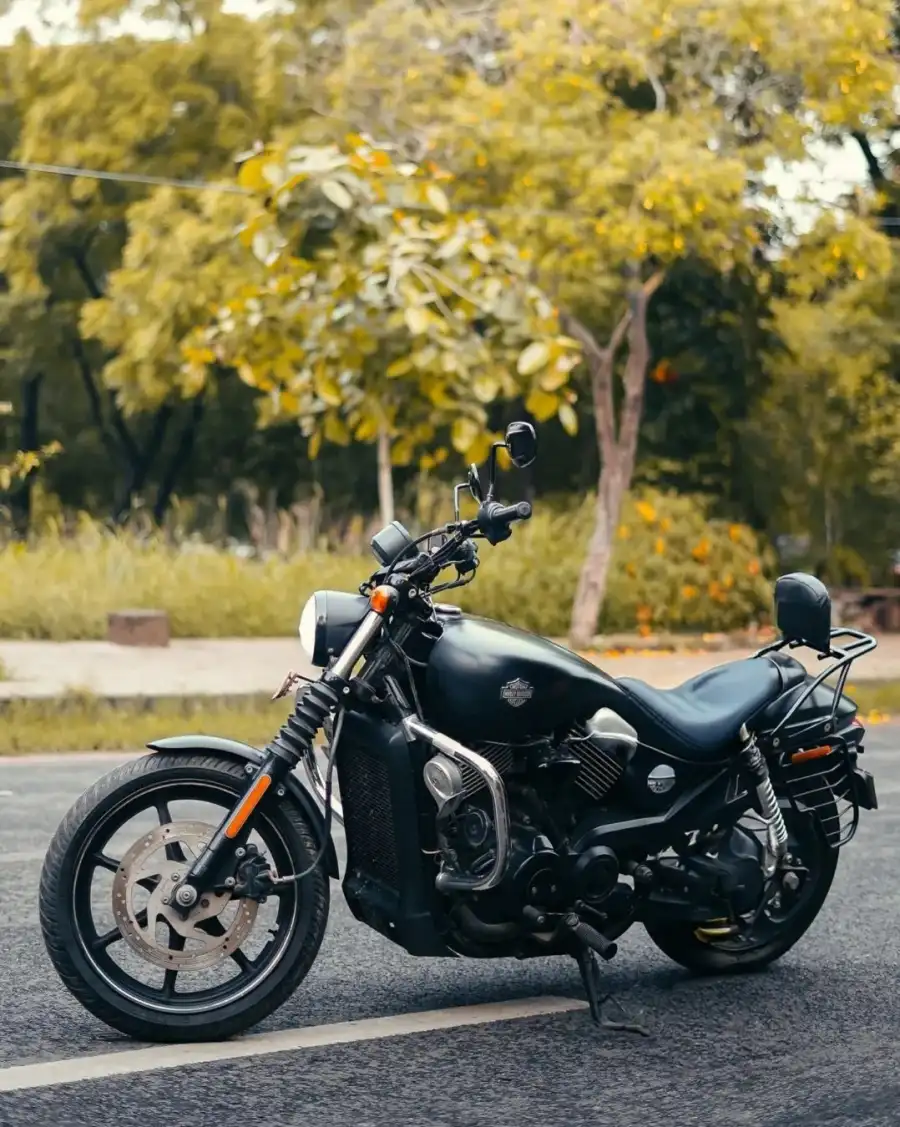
[(506, 514)]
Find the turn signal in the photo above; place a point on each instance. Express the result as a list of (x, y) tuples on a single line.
[(810, 753), (247, 805), (381, 598)]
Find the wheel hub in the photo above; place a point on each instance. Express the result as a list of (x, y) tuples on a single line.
[(146, 861)]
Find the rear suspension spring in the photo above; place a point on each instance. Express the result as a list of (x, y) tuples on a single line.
[(771, 811)]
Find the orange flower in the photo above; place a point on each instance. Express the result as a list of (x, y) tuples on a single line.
[(660, 546), (689, 592), (753, 567), (644, 614), (734, 532), (701, 551), (644, 630), (646, 510)]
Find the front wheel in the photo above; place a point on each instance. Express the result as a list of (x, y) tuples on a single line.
[(131, 961), (778, 922)]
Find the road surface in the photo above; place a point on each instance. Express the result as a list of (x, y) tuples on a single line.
[(814, 1042)]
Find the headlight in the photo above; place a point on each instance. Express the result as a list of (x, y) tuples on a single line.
[(308, 627), (327, 622)]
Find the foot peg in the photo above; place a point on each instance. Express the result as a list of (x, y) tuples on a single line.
[(589, 936)]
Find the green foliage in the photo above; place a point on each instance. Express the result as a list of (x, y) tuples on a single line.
[(382, 311), (82, 722), (674, 569), (824, 436)]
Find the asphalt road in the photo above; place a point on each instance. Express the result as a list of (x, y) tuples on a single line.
[(814, 1042)]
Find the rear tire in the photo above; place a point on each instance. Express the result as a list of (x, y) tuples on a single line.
[(73, 955), (678, 940)]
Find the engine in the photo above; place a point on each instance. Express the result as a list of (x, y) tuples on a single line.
[(549, 785), (597, 752)]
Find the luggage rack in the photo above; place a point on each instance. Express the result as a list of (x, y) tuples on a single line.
[(844, 657), (824, 785)]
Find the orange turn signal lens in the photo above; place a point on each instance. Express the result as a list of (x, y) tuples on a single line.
[(810, 753), (381, 598), (248, 804)]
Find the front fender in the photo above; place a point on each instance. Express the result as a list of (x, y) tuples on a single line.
[(233, 749)]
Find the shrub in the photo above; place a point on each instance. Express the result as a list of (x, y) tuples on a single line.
[(673, 569)]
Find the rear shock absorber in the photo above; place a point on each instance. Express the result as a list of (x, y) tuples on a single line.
[(771, 811), (295, 738)]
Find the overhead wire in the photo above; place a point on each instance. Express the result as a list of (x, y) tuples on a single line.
[(146, 179)]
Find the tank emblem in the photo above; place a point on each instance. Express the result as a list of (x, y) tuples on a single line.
[(661, 779), (517, 692)]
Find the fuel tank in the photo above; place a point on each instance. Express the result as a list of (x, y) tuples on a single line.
[(487, 681)]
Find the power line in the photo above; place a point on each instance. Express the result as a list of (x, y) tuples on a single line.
[(122, 177), (235, 189)]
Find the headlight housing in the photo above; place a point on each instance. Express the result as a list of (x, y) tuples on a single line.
[(327, 623)]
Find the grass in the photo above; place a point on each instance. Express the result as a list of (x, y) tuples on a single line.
[(81, 722), (878, 701), (84, 723), (674, 569)]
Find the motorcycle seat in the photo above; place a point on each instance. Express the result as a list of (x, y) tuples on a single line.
[(700, 718)]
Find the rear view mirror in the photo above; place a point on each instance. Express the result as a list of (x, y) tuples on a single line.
[(521, 443), (475, 487)]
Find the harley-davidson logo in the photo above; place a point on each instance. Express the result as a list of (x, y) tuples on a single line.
[(517, 692)]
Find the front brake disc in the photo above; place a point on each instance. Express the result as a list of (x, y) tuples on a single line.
[(146, 860)]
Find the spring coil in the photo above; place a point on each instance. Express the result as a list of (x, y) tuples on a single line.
[(771, 811), (296, 735)]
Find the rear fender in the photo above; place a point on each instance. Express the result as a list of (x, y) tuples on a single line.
[(244, 753)]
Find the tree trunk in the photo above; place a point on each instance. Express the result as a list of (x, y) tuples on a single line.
[(618, 448), (591, 589), (385, 477), (29, 439), (140, 466), (179, 459)]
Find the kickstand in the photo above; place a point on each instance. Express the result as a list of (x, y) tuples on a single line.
[(589, 966)]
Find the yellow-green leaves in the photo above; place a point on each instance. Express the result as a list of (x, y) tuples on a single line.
[(533, 358), (410, 316)]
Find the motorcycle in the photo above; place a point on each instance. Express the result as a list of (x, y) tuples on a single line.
[(501, 797)]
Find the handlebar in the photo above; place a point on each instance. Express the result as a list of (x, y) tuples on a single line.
[(494, 519)]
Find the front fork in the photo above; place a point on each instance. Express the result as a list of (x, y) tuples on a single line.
[(215, 865)]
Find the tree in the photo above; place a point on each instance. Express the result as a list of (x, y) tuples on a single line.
[(383, 317), (824, 438), (616, 141)]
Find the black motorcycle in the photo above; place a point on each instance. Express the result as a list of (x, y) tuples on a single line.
[(500, 795)]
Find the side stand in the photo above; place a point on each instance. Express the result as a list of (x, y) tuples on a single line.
[(589, 966)]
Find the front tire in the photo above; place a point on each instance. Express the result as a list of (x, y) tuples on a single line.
[(81, 955), (678, 939)]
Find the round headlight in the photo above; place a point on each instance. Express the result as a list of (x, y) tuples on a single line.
[(307, 628)]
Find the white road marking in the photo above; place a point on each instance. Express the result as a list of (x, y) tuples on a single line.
[(49, 1073)]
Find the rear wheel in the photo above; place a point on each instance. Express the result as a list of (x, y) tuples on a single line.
[(116, 943), (776, 924)]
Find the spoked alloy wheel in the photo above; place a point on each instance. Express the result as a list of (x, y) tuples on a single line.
[(108, 918), (790, 904)]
